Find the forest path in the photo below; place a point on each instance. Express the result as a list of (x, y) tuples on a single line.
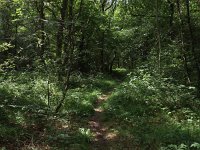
[(102, 134)]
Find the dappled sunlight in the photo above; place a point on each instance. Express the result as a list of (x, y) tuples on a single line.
[(119, 115), (111, 136), (139, 111), (104, 135), (99, 75)]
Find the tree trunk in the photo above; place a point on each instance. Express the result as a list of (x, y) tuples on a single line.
[(42, 29), (112, 62), (158, 37), (102, 52), (184, 56), (68, 61), (60, 36), (196, 60)]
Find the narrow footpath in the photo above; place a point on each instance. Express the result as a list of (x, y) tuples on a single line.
[(102, 135)]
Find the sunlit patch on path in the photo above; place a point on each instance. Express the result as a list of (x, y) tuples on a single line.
[(102, 135)]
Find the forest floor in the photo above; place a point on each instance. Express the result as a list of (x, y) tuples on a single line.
[(101, 112), (26, 122), (103, 137)]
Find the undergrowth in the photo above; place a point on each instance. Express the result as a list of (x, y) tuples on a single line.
[(156, 112), (28, 121)]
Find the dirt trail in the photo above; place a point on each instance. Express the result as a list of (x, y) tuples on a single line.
[(102, 135)]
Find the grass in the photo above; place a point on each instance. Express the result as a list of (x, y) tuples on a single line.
[(144, 112), (156, 114), (26, 121)]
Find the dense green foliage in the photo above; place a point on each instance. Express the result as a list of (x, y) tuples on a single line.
[(62, 60), (155, 112), (26, 116)]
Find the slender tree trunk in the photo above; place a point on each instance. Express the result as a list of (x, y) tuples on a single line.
[(60, 35), (48, 91), (16, 33), (112, 62), (171, 19), (184, 56), (118, 62), (61, 27), (102, 51), (69, 61), (81, 62), (102, 66), (64, 92), (171, 7), (41, 13), (82, 66), (187, 75), (158, 37), (196, 60)]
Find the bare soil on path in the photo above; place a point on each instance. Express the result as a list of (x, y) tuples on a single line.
[(103, 136)]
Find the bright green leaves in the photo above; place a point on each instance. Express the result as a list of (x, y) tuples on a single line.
[(5, 46)]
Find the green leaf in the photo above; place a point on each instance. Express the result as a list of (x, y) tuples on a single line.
[(195, 145)]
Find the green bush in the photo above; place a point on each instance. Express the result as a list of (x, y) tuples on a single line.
[(155, 110)]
